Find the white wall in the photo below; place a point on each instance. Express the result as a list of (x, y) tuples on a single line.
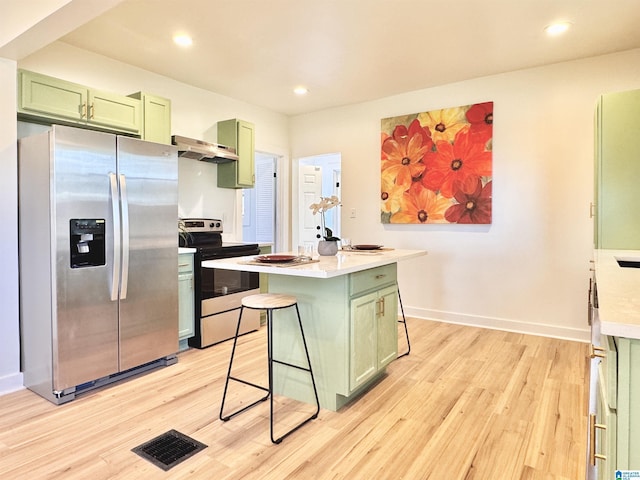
[(528, 271), (194, 113), (10, 376)]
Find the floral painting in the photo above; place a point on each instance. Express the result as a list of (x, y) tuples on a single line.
[(437, 166)]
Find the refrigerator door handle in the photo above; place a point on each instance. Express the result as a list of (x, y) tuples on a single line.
[(115, 209), (124, 284)]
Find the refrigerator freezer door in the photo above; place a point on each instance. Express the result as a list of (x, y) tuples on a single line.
[(148, 174), (85, 320)]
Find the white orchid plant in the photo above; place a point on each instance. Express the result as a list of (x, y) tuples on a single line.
[(325, 203)]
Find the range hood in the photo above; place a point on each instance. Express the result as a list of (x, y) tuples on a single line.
[(199, 150)]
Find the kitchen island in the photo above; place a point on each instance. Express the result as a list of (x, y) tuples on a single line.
[(349, 309), (617, 389)]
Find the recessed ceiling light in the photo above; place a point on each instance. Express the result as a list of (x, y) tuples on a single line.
[(183, 40), (301, 90), (557, 28)]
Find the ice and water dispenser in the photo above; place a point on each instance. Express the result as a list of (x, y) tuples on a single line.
[(87, 242)]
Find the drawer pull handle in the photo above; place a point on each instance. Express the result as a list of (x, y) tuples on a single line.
[(184, 264), (597, 352), (378, 277), (592, 451)]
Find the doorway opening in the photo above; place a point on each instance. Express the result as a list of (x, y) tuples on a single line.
[(318, 176)]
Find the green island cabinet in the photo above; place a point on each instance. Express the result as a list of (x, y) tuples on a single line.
[(616, 424), (186, 315), (617, 196), (240, 135), (350, 324)]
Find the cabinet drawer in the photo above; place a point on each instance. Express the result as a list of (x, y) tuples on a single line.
[(610, 370), (185, 263), (372, 279)]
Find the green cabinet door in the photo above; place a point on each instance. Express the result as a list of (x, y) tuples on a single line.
[(374, 334), (41, 95), (617, 171), (388, 326), (156, 118), (364, 339), (241, 136), (114, 111)]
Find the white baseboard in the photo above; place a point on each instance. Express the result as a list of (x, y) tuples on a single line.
[(544, 330), (11, 383)]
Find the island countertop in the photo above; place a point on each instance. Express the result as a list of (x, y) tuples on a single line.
[(618, 293), (343, 263)]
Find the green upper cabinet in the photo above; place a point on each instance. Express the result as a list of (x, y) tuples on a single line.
[(617, 171), (239, 135), (156, 117), (114, 111), (48, 98)]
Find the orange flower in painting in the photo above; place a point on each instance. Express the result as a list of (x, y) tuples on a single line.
[(420, 205), (402, 153), (451, 164), (444, 124), (390, 195)]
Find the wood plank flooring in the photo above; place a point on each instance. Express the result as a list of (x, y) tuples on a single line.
[(467, 403)]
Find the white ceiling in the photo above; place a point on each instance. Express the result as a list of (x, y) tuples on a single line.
[(350, 51)]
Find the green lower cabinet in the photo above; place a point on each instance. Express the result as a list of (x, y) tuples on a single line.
[(186, 299), (350, 325), (617, 408), (374, 340)]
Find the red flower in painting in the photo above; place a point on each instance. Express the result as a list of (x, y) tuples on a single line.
[(451, 165), (402, 153), (480, 116), (474, 207)]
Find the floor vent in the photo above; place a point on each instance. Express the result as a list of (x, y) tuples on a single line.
[(169, 449)]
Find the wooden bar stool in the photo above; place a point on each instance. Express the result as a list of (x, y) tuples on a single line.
[(269, 302)]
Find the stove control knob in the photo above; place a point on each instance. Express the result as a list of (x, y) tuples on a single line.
[(218, 224)]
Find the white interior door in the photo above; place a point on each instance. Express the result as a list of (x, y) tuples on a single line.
[(310, 181)]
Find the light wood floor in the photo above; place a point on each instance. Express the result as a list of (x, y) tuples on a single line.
[(467, 403)]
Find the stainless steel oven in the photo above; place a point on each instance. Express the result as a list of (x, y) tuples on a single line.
[(218, 293)]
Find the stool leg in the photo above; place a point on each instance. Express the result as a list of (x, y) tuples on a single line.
[(229, 377), (313, 382), (406, 330)]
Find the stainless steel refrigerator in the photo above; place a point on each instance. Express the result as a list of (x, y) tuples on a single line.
[(98, 259)]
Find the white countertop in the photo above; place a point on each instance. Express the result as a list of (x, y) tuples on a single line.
[(186, 250), (618, 293), (333, 266)]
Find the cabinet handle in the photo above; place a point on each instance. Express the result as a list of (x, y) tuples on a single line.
[(597, 352), (592, 450), (378, 277), (91, 111), (83, 113), (592, 210)]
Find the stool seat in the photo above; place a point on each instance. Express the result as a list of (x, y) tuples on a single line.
[(269, 300)]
